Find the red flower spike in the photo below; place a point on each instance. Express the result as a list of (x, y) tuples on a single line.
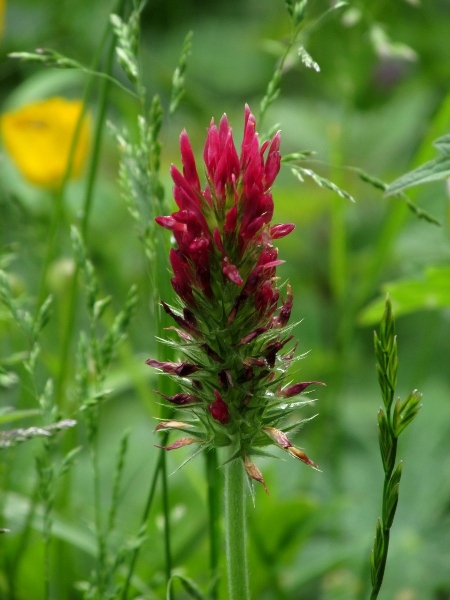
[(281, 230), (230, 220), (272, 166), (187, 157), (225, 274), (285, 313), (230, 271), (219, 409), (171, 223), (296, 389)]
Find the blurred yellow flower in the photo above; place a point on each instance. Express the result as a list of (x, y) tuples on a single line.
[(38, 138)]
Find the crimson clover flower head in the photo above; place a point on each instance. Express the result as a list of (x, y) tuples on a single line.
[(234, 321)]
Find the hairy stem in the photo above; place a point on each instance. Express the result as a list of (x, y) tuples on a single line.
[(235, 531), (214, 511)]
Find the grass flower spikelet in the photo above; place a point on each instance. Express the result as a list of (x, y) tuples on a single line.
[(232, 323)]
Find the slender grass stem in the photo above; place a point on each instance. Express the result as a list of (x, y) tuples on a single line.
[(166, 510), (98, 510), (145, 515), (235, 532), (87, 205), (213, 517)]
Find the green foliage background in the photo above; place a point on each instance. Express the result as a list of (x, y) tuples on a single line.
[(377, 104)]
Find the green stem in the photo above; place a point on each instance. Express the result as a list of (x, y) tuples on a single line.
[(235, 531), (148, 505), (93, 166), (98, 508), (213, 513), (385, 530), (166, 510)]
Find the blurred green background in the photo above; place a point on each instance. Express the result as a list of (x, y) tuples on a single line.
[(379, 100)]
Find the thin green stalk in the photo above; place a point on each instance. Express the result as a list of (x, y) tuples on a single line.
[(98, 508), (398, 212), (213, 517), (235, 531), (58, 204), (166, 511), (392, 420), (14, 563), (145, 515), (88, 198), (385, 530)]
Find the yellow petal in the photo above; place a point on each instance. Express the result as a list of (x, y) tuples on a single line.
[(38, 138)]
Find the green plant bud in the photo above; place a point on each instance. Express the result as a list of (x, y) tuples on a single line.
[(386, 441), (299, 12), (392, 496), (377, 553)]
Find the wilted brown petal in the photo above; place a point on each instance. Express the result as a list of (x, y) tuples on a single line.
[(301, 456), (181, 442), (278, 437), (172, 424), (254, 472)]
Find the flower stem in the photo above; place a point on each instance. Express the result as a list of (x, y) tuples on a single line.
[(235, 531), (385, 529), (214, 510), (145, 516)]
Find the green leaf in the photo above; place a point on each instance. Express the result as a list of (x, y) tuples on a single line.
[(443, 144), (433, 170), (382, 185), (410, 295), (189, 585), (8, 414)]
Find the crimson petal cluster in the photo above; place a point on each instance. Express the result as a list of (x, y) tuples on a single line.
[(232, 324)]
